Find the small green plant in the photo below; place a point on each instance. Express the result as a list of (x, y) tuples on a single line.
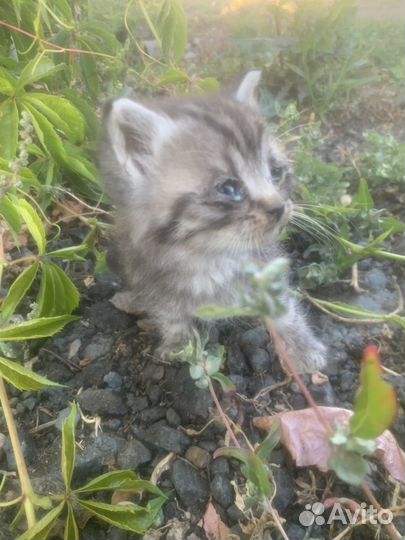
[(383, 161), (129, 516)]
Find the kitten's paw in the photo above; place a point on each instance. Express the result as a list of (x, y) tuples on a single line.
[(311, 358)]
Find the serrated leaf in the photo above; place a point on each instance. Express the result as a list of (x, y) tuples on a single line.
[(69, 446), (88, 69), (61, 113), (23, 378), (17, 291), (70, 253), (9, 129), (172, 27), (264, 450), (7, 82), (363, 196), (375, 405), (91, 121), (125, 480), (226, 384), (49, 139), (41, 530), (57, 294), (33, 222), (71, 528), (35, 71), (36, 328), (10, 213), (349, 466), (130, 517)]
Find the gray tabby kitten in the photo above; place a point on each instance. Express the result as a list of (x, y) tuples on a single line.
[(200, 189)]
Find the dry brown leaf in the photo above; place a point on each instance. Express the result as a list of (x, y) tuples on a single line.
[(122, 496), (214, 527), (308, 443), (163, 465), (67, 211)]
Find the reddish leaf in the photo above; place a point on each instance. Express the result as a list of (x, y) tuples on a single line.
[(308, 443), (214, 527)]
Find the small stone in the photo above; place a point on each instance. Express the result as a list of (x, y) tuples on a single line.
[(133, 455), (102, 401), (173, 419), (152, 415), (285, 489), (222, 490), (112, 423), (28, 448), (198, 457), (30, 403), (166, 438), (219, 466), (236, 360), (323, 393), (239, 382), (190, 486), (137, 403), (294, 531), (235, 514), (100, 346), (254, 338), (374, 280), (259, 360), (113, 380), (96, 454)]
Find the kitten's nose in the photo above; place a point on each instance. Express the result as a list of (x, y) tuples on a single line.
[(276, 212)]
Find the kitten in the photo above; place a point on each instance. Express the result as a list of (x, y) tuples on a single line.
[(201, 189)]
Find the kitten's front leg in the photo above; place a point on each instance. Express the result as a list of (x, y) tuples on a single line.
[(303, 348), (175, 331)]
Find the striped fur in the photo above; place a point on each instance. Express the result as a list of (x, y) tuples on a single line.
[(182, 242)]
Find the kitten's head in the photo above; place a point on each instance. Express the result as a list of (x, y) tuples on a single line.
[(200, 172)]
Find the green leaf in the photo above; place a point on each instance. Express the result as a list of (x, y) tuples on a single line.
[(241, 454), (363, 197), (196, 371), (70, 253), (125, 480), (349, 466), (375, 405), (57, 294), (41, 530), (172, 76), (17, 291), (36, 328), (23, 378), (35, 71), (172, 28), (213, 364), (130, 517), (88, 67), (61, 113), (9, 129), (10, 213), (7, 82), (71, 528), (217, 312), (69, 446), (49, 139), (264, 450), (257, 473), (34, 224), (91, 121), (226, 384)]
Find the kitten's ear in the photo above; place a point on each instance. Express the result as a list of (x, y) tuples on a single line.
[(135, 132), (246, 92)]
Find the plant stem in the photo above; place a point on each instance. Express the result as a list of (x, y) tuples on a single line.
[(280, 347), (26, 488), (222, 414), (391, 529)]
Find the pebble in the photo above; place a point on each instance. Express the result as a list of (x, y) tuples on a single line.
[(220, 466), (152, 415), (374, 280), (28, 448), (285, 488), (294, 531), (113, 380), (133, 454), (96, 454), (173, 419), (102, 401), (198, 457), (98, 347), (190, 486), (3, 440), (253, 338), (30, 403), (166, 438), (222, 490), (259, 360), (137, 403), (236, 360)]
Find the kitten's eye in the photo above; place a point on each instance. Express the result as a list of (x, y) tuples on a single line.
[(231, 188), (276, 172)]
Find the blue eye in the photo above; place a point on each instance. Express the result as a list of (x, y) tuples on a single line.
[(232, 189)]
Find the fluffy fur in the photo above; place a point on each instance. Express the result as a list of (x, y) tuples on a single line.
[(200, 188)]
